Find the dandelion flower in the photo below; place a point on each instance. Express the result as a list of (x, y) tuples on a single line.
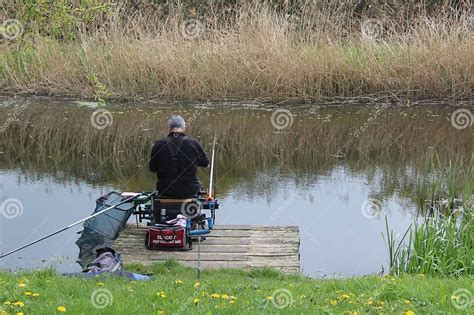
[(7, 303), (161, 294), (21, 284), (196, 301), (215, 295), (407, 301), (178, 282), (197, 285), (19, 303), (232, 299), (28, 293), (19, 313), (160, 313), (333, 302), (35, 294), (409, 313), (61, 309), (225, 296), (269, 297), (100, 284), (346, 296), (203, 293)]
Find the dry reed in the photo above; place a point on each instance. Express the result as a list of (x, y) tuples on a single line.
[(256, 53)]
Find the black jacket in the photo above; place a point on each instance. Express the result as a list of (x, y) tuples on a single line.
[(175, 159)]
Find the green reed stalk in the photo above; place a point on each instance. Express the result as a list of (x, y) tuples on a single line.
[(442, 243)]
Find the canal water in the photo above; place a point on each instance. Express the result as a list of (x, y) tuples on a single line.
[(337, 171)]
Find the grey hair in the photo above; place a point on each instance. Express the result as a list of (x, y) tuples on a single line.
[(176, 121)]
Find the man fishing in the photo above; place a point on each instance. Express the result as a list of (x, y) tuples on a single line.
[(175, 159)]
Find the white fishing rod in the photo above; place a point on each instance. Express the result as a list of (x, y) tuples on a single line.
[(213, 154), (209, 194), (69, 226)]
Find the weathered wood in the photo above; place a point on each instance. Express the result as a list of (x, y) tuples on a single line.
[(228, 246)]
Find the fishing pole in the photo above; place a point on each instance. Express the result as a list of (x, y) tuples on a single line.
[(212, 165), (68, 227), (209, 196)]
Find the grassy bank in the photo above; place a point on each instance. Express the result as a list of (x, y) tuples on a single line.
[(253, 52), (176, 290)]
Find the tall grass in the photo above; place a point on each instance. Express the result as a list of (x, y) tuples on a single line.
[(253, 52), (442, 243)]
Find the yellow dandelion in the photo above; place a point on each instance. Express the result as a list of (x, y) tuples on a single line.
[(203, 293), (225, 296), (269, 297), (19, 313), (21, 284), (19, 304), (407, 301), (409, 313), (35, 294), (160, 313), (215, 295), (355, 313), (370, 301), (178, 282), (197, 285), (61, 309), (28, 293), (345, 296), (100, 284), (333, 302), (196, 301), (7, 303)]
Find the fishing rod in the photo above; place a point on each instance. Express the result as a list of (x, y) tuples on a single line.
[(211, 175), (213, 154), (69, 226)]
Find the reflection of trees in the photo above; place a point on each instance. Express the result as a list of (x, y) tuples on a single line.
[(391, 152)]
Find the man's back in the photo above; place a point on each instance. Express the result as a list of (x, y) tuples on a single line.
[(175, 159)]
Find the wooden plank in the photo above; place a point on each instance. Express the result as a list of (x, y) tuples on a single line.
[(228, 246)]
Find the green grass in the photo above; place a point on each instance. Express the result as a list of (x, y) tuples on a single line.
[(174, 290)]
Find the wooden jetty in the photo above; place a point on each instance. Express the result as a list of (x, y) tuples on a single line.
[(228, 246)]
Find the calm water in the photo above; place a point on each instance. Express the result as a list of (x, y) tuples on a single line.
[(312, 174)]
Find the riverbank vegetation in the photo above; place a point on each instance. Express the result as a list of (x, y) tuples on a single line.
[(288, 50), (441, 241), (175, 289)]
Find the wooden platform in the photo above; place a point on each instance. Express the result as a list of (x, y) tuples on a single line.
[(228, 246)]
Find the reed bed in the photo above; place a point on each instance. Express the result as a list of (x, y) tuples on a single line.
[(441, 243), (256, 52)]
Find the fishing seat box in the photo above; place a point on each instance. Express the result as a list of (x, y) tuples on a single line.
[(173, 207)]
